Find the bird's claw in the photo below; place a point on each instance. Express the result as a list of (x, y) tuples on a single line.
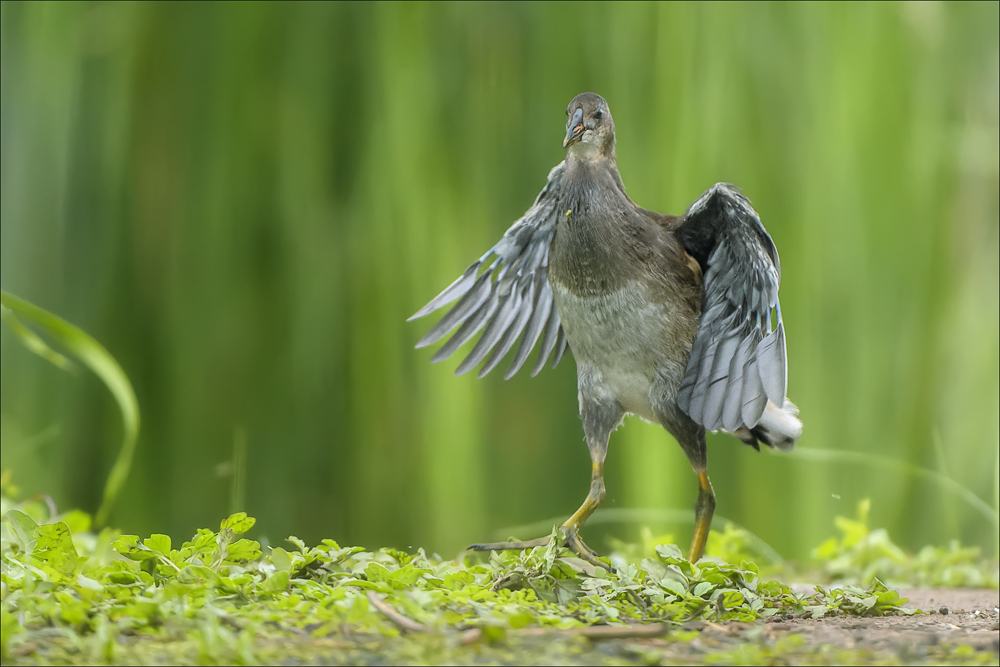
[(510, 546), (575, 544), (570, 539)]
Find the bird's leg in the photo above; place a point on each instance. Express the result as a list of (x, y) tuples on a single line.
[(570, 528), (599, 419), (703, 511)]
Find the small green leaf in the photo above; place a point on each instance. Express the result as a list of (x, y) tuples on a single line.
[(222, 541), (159, 543), (654, 568), (674, 586), (243, 551), (239, 523), (377, 572), (88, 583), (730, 599), (817, 611), (281, 560), (197, 574), (55, 548), (408, 575), (276, 583), (454, 581), (128, 546), (868, 602), (670, 553), (702, 588), (566, 591), (23, 529)]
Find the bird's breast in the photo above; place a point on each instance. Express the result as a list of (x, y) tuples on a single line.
[(627, 344)]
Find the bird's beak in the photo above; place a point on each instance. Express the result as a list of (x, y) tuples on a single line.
[(575, 129)]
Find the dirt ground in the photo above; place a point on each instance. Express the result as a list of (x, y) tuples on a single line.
[(958, 627), (953, 618), (959, 617)]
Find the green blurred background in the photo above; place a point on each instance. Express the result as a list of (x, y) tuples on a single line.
[(244, 203)]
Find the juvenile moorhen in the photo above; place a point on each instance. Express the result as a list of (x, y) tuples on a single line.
[(671, 318)]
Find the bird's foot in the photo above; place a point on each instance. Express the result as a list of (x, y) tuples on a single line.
[(569, 535), (575, 544), (510, 546)]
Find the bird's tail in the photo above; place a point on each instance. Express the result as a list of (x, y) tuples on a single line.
[(779, 427)]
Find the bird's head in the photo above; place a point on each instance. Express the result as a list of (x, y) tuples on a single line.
[(590, 131)]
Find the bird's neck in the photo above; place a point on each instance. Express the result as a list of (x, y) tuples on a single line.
[(592, 172), (584, 151), (594, 225)]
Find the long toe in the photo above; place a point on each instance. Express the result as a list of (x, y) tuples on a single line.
[(580, 548), (510, 546)]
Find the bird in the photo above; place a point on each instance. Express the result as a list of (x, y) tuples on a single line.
[(674, 319)]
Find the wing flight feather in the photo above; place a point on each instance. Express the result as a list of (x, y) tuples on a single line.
[(508, 300), (738, 361)]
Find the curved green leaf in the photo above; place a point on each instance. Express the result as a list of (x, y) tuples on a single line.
[(92, 355), (33, 341)]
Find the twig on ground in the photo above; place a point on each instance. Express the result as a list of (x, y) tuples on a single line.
[(404, 623), (596, 632), (637, 631)]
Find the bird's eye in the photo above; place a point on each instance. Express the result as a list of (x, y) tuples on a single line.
[(598, 114)]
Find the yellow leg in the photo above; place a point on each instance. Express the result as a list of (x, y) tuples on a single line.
[(594, 498), (570, 527), (703, 511)]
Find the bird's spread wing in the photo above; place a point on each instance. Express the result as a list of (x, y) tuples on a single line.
[(738, 359), (510, 298)]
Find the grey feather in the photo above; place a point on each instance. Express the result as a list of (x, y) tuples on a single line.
[(491, 334), (453, 291), (561, 344), (699, 385), (736, 362), (732, 411), (753, 397), (553, 329), (470, 327), (523, 312), (539, 316), (467, 305), (507, 302), (690, 381), (771, 365), (718, 381)]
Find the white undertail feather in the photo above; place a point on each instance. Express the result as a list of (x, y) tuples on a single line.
[(780, 426)]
